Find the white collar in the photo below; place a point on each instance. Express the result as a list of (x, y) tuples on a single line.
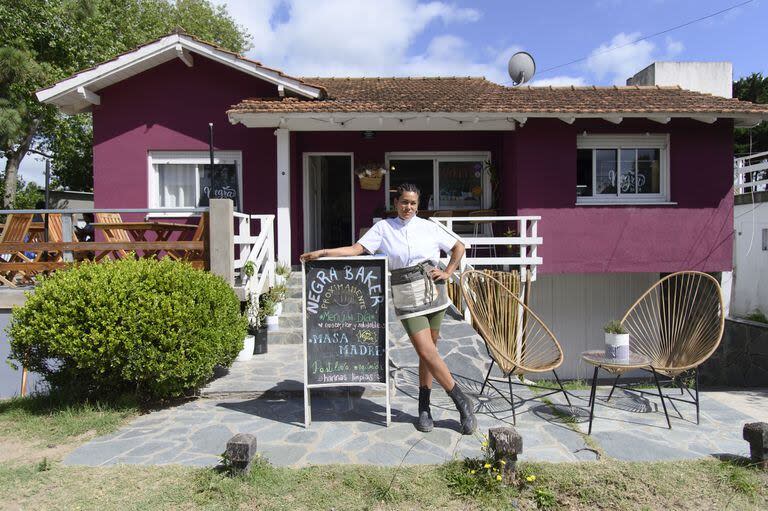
[(402, 222)]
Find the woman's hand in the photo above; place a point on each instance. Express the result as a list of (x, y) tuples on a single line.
[(438, 274), (308, 256)]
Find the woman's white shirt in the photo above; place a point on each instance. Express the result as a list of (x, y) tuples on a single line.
[(407, 242)]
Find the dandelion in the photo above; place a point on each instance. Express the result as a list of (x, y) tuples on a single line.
[(503, 462), (472, 471), (487, 465), (498, 478), (485, 444), (530, 478)]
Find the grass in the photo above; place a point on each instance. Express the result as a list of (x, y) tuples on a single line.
[(607, 484), (702, 484), (58, 417)]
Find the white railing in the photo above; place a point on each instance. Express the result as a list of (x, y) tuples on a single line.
[(259, 250), (750, 173), (525, 242)]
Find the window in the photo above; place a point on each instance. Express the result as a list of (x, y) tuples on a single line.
[(183, 179), (622, 169), (453, 181)]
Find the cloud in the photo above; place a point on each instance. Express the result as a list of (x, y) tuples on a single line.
[(560, 81), (674, 48), (621, 58), (364, 38)]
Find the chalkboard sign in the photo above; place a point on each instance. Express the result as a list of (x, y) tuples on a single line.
[(345, 323)]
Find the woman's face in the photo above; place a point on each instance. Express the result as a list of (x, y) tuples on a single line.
[(407, 205)]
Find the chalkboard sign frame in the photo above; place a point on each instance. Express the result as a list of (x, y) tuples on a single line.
[(385, 292)]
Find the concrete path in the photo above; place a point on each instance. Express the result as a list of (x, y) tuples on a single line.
[(264, 397)]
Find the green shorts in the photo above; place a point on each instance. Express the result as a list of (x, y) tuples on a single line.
[(419, 323)]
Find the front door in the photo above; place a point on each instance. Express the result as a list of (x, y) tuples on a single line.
[(328, 201)]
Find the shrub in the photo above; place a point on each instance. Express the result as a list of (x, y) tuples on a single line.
[(156, 328)]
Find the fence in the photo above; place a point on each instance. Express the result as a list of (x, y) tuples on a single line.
[(255, 254), (750, 173), (32, 246)]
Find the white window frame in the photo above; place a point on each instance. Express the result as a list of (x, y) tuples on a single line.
[(437, 157), (639, 141), (188, 158)]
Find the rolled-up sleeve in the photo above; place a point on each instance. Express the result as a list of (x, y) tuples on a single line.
[(371, 240), (444, 240)]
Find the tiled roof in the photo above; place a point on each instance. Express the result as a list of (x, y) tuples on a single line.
[(455, 94)]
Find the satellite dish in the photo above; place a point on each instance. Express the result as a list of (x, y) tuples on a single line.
[(521, 67)]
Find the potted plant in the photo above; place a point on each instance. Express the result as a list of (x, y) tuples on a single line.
[(249, 269), (278, 293), (370, 175), (267, 312), (282, 272), (252, 313), (616, 341)]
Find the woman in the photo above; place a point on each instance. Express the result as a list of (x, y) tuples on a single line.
[(412, 246)]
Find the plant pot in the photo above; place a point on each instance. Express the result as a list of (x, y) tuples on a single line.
[(278, 308), (370, 183), (247, 352), (617, 346), (260, 347), (272, 323)]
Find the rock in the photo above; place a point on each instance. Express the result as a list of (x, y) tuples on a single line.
[(241, 449), (506, 443), (756, 433)]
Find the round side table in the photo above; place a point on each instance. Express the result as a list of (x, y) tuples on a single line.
[(615, 366)]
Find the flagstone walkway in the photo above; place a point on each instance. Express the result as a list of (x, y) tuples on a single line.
[(264, 397)]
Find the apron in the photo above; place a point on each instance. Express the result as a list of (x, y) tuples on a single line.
[(414, 293)]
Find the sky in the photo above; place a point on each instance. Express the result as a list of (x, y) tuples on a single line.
[(465, 38)]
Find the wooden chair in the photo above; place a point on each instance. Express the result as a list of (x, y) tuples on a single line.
[(517, 340), (677, 323), (16, 230), (199, 234), (113, 235)]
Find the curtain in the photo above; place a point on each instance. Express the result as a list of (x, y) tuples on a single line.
[(177, 185)]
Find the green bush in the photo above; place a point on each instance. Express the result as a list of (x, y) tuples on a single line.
[(154, 328)]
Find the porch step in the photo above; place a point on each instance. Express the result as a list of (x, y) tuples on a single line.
[(282, 336), (291, 305), (290, 320)]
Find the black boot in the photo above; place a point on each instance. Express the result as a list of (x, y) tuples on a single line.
[(464, 406), (424, 422)]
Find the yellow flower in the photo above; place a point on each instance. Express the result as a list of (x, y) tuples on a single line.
[(487, 465), (530, 478), (485, 444), (471, 471), (503, 462), (498, 478)]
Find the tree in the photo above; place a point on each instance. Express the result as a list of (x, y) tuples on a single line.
[(752, 88), (43, 41)]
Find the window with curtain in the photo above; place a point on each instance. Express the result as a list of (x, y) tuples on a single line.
[(184, 180)]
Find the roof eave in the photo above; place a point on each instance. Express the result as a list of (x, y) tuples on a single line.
[(158, 52)]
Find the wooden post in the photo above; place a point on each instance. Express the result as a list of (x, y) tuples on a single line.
[(66, 235), (221, 233), (506, 443)]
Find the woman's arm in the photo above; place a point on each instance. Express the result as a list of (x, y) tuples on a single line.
[(352, 250), (457, 252)]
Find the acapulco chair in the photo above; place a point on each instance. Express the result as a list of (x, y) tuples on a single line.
[(677, 323), (516, 339)]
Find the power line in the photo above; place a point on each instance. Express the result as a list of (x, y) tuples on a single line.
[(612, 48)]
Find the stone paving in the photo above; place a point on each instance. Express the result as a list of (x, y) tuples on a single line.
[(264, 397)]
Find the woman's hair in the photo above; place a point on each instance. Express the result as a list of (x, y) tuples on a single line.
[(406, 187)]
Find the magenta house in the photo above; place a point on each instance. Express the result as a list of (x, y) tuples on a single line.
[(629, 182)]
